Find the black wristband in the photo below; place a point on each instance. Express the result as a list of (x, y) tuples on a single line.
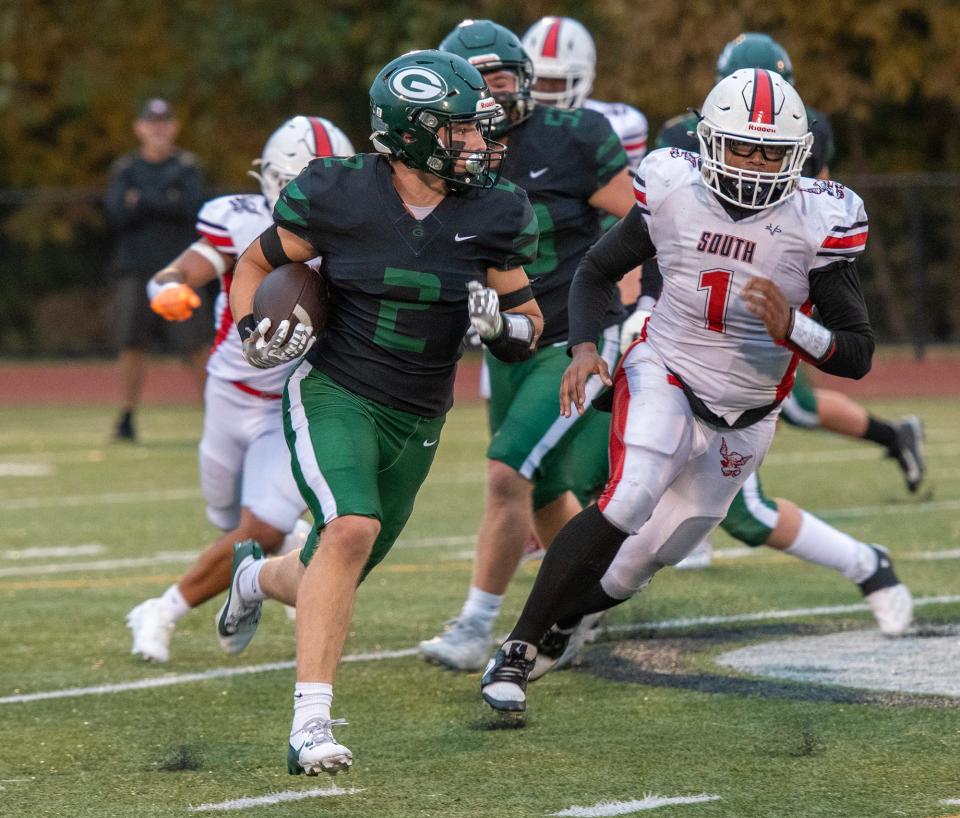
[(246, 326), (272, 248)]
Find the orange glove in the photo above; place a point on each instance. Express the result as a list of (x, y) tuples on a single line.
[(175, 302)]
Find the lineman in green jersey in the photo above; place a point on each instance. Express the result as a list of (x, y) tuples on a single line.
[(419, 241), (572, 165)]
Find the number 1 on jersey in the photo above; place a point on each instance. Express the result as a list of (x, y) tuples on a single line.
[(717, 284)]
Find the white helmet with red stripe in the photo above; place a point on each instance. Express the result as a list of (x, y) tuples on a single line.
[(291, 147), (561, 49), (753, 109)]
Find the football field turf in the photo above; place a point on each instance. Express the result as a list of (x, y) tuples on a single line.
[(655, 718)]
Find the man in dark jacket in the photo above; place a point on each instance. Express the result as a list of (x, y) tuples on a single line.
[(152, 203)]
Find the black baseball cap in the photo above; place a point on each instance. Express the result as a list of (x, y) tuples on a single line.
[(156, 109)]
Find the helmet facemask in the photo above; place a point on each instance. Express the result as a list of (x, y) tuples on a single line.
[(429, 144), (516, 105), (578, 83), (750, 189)]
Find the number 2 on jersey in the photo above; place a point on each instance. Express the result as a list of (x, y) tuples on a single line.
[(717, 285)]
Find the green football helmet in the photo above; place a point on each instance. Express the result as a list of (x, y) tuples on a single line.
[(754, 50), (490, 47), (415, 101)]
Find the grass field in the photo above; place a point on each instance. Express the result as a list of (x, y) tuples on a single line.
[(88, 530)]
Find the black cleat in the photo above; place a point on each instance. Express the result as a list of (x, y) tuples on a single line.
[(909, 451), (504, 682), (124, 429)]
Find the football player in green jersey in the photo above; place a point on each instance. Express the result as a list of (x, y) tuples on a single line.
[(572, 165), (418, 241)]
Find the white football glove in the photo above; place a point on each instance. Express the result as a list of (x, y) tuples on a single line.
[(483, 305), (280, 349), (631, 328)]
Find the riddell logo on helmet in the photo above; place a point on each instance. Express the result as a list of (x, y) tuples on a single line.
[(754, 126)]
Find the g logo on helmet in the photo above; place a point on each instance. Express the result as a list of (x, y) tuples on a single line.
[(418, 85)]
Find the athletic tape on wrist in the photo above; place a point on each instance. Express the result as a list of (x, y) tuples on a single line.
[(210, 254), (809, 335), (517, 327)]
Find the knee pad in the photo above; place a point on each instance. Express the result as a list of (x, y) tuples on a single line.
[(631, 505), (684, 539)]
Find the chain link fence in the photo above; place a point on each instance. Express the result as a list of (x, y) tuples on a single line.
[(55, 248)]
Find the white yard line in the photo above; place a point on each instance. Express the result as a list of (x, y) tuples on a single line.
[(375, 656), (609, 808), (759, 616), (48, 551), (950, 802), (104, 499), (165, 558), (25, 469), (273, 798)]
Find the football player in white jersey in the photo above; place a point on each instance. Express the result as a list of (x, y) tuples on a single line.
[(564, 65), (244, 462), (747, 248)]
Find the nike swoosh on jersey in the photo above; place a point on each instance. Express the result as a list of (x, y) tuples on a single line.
[(458, 237), (536, 174), (428, 443)]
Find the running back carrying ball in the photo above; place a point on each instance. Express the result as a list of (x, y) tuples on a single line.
[(295, 293)]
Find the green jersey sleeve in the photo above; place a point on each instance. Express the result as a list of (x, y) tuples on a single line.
[(515, 232)]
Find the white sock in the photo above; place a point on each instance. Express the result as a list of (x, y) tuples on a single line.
[(310, 700), (297, 538), (248, 582), (175, 604), (824, 545), (482, 607)]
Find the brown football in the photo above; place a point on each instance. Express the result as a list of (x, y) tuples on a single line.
[(291, 293)]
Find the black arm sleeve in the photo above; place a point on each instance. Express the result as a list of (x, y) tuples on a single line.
[(619, 250), (836, 293), (651, 280)]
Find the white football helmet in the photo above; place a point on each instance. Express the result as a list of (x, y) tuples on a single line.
[(753, 109), (291, 147), (562, 49)]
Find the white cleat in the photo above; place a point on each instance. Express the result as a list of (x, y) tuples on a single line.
[(892, 608), (700, 557), (888, 598), (504, 682), (238, 619), (314, 750), (464, 645), (152, 628)]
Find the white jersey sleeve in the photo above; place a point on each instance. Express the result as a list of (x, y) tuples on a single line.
[(629, 124), (231, 223), (837, 220), (661, 173)]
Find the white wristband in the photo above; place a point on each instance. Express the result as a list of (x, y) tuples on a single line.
[(211, 254), (154, 289), (813, 338), (517, 327)]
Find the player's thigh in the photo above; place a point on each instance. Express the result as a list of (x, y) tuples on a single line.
[(408, 448), (269, 490), (752, 515), (580, 463), (651, 439), (229, 419), (532, 426), (799, 408), (134, 323), (334, 447)]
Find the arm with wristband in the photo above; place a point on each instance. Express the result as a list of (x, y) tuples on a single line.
[(172, 291), (505, 315)]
